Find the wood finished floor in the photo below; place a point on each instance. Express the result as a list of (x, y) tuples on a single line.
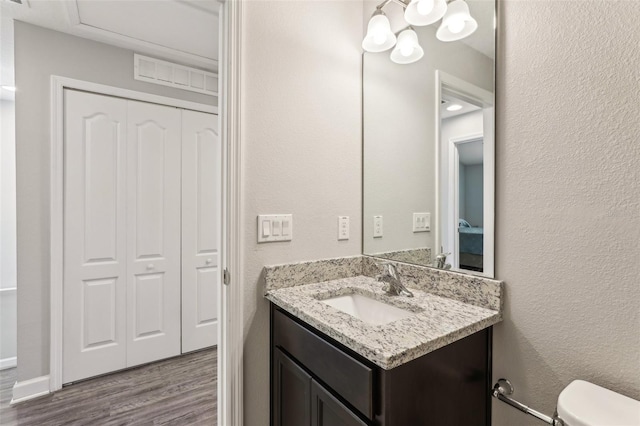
[(180, 391)]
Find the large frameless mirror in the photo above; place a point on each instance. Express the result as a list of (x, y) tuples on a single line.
[(428, 133)]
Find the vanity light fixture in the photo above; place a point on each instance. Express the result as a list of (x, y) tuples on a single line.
[(457, 23), (407, 49), (379, 36), (425, 12)]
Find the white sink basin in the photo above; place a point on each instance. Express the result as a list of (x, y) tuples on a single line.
[(366, 309)]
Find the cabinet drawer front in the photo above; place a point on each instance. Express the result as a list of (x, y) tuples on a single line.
[(345, 375)]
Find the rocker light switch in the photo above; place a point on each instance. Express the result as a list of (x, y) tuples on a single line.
[(266, 228)]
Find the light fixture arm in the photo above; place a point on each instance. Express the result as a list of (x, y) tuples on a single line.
[(386, 2), (408, 27)]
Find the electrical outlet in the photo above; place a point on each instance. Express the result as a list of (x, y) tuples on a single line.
[(343, 228), (377, 227)]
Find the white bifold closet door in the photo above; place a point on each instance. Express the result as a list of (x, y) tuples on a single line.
[(153, 232), (95, 243), (121, 234), (201, 212)]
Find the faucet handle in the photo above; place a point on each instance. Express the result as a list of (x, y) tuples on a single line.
[(389, 269)]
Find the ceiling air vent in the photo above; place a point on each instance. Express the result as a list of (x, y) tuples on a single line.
[(169, 74)]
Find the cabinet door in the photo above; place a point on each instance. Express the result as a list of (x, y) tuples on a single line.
[(153, 232), (326, 410), (291, 392), (94, 340), (201, 229)]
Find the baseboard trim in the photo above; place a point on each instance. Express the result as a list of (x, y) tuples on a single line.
[(29, 389), (8, 363)]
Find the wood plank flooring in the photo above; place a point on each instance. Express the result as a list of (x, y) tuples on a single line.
[(180, 391)]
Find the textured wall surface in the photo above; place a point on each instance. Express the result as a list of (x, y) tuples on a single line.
[(40, 53), (302, 151), (568, 199)]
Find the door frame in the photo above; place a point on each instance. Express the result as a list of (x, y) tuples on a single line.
[(231, 335), (58, 85), (487, 100), (453, 183)]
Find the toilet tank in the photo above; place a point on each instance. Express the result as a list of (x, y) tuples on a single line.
[(585, 404)]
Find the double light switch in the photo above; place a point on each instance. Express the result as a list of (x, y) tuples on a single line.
[(275, 228)]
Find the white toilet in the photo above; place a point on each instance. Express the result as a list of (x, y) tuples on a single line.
[(585, 404)]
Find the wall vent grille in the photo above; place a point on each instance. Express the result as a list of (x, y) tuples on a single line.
[(165, 73)]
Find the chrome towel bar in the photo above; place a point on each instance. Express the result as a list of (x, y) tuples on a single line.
[(503, 388)]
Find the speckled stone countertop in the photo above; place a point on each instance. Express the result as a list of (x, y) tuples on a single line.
[(446, 307)]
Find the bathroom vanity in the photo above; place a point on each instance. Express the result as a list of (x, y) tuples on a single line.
[(318, 381), (431, 366)]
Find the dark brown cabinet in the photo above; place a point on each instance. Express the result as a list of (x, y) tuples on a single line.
[(291, 392), (326, 410), (316, 381), (298, 400)]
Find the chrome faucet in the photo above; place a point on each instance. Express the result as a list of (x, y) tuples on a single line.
[(392, 280), (441, 261)]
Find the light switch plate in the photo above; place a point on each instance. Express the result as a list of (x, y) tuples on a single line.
[(343, 228), (278, 227), (377, 227), (421, 222)]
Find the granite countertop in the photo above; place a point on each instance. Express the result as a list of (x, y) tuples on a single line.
[(437, 321)]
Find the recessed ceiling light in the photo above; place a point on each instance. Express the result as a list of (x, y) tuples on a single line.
[(9, 88), (454, 107)]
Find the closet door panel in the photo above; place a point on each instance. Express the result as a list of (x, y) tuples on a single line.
[(153, 232), (94, 288), (201, 223)]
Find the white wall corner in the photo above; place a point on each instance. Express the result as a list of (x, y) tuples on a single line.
[(8, 363), (29, 389)]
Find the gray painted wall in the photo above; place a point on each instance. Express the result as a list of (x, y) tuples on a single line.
[(568, 199), (302, 150), (473, 195), (40, 53), (7, 195), (7, 230)]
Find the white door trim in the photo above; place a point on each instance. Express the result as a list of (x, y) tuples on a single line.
[(56, 218), (453, 209), (231, 324)]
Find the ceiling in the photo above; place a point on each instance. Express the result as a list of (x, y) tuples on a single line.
[(470, 153), (182, 31), (448, 100)]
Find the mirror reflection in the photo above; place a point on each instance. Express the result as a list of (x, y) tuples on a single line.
[(428, 128)]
